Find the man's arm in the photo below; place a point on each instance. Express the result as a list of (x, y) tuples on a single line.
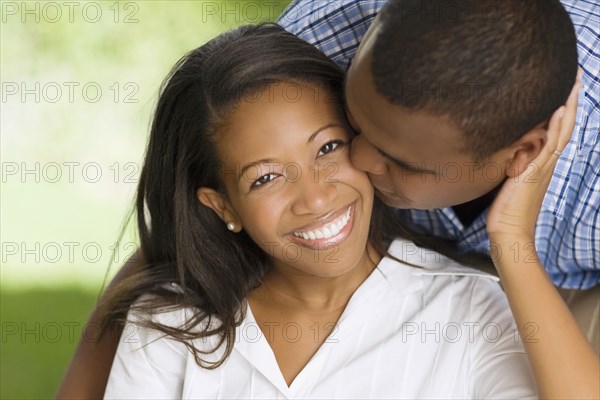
[(563, 362), (88, 371)]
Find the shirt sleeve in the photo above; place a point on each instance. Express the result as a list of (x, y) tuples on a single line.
[(499, 365), (568, 229), (147, 365), (335, 27)]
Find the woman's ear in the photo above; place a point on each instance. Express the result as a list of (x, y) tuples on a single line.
[(219, 204), (526, 150)]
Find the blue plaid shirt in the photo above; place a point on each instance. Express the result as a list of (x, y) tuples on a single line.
[(568, 226)]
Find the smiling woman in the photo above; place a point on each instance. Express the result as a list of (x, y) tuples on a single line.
[(291, 207), (264, 270), (303, 219)]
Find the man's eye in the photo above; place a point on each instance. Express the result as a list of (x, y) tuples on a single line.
[(407, 167), (263, 179), (330, 146)]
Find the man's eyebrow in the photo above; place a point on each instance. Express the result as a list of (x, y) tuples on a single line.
[(406, 165)]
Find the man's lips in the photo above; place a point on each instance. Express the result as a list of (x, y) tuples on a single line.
[(392, 199), (385, 193)]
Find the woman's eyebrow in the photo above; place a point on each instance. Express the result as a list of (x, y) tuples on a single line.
[(273, 161), (257, 162), (321, 129)]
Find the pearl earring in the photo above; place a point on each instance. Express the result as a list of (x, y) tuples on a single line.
[(230, 226)]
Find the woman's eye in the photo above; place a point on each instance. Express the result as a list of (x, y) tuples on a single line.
[(330, 146), (263, 179)]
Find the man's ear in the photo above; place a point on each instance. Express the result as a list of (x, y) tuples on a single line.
[(219, 204), (525, 150)]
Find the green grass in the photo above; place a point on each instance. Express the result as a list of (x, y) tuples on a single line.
[(40, 328)]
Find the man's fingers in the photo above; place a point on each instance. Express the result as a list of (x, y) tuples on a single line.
[(568, 121), (554, 130), (560, 127)]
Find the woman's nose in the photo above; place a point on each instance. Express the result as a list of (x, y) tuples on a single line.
[(315, 192), (366, 157)]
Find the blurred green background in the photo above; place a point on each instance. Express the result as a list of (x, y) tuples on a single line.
[(79, 82)]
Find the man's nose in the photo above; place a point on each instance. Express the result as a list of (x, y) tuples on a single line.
[(366, 157)]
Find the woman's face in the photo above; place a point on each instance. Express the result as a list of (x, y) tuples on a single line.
[(289, 181)]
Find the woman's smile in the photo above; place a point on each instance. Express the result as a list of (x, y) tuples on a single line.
[(330, 231)]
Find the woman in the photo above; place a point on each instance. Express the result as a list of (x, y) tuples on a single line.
[(263, 273)]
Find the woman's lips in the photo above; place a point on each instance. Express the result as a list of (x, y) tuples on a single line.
[(328, 234)]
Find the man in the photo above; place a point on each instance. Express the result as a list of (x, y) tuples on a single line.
[(449, 99)]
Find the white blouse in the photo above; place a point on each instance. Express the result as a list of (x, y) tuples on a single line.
[(440, 331)]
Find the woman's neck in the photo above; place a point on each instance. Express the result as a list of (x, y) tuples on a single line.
[(286, 286)]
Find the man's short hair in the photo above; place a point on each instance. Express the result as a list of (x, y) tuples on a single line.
[(495, 68)]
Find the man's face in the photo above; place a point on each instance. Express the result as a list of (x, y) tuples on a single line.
[(414, 159)]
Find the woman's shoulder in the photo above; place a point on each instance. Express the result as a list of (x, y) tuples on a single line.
[(148, 309), (149, 363), (148, 332)]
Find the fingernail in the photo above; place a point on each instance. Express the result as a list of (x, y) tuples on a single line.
[(561, 112)]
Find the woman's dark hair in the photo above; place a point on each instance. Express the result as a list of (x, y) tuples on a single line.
[(183, 241)]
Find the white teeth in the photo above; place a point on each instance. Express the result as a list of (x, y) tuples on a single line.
[(332, 229)]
